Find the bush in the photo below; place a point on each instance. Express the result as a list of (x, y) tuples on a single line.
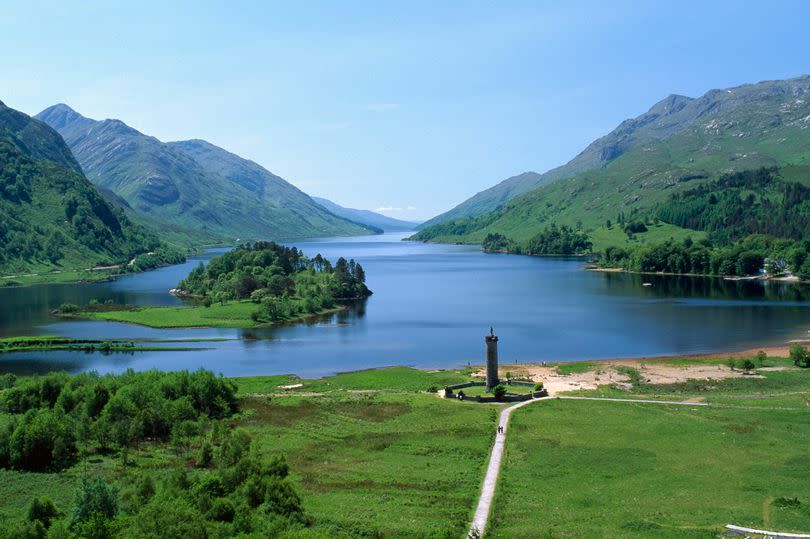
[(206, 455), (784, 502), (42, 440), (42, 510), (747, 365), (799, 355), (499, 391), (68, 308), (95, 502), (538, 386), (761, 357)]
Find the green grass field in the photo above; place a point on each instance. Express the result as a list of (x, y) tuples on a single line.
[(401, 464), (233, 314), (606, 469), (374, 454)]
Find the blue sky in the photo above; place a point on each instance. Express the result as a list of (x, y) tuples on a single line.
[(412, 106)]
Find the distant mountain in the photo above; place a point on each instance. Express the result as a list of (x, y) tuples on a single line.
[(51, 216), (192, 185), (679, 143), (367, 217)]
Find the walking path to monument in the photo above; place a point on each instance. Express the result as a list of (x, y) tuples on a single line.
[(479, 522)]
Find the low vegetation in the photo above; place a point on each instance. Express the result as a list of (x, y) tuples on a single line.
[(187, 455), (48, 344), (595, 469)]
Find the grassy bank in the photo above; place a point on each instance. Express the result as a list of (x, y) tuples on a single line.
[(231, 314), (57, 277), (51, 344)]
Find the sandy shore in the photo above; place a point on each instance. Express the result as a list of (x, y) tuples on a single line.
[(651, 370)]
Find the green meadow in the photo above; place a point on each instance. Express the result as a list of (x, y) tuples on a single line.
[(609, 469), (377, 453), (231, 314)]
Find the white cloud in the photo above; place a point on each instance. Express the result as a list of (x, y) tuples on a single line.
[(394, 209), (382, 107)]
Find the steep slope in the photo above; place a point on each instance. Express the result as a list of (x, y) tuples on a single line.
[(192, 185), (679, 143), (367, 217), (51, 216), (289, 206), (666, 119)]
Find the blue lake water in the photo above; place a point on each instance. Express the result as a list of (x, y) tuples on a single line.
[(432, 306)]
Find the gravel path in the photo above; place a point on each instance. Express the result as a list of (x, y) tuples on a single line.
[(479, 522)]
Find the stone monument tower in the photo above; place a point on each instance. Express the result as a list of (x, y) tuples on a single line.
[(492, 359)]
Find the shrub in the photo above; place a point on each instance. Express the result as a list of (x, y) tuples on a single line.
[(799, 355), (95, 502), (747, 365), (68, 308), (206, 455), (499, 391), (42, 510), (538, 386), (784, 501), (761, 357)]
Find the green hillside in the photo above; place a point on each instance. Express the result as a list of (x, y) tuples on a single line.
[(51, 216), (192, 189), (670, 151)]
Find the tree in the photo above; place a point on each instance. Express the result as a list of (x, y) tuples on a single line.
[(761, 357), (93, 509), (168, 517), (799, 355), (747, 365), (43, 440)]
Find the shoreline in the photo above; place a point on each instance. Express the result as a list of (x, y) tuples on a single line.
[(730, 278), (774, 350)]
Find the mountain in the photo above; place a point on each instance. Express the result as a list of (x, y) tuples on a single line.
[(666, 119), (51, 216), (680, 143), (192, 186), (370, 218)]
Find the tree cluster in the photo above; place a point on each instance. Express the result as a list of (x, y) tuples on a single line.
[(740, 204), (281, 280), (55, 416), (748, 256), (231, 491), (552, 240)]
